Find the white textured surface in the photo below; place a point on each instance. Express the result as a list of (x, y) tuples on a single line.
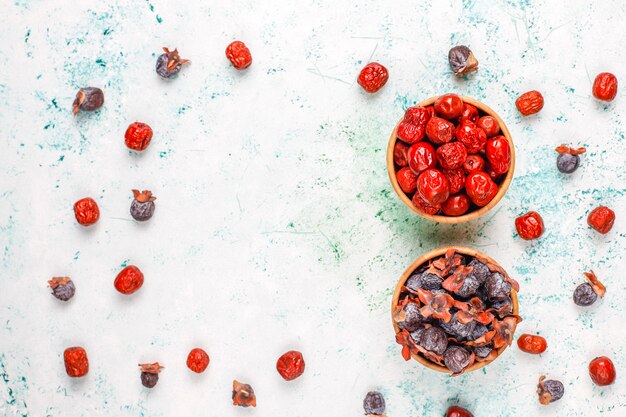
[(276, 227)]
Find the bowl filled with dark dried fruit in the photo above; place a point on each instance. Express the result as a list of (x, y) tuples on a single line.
[(455, 310), (450, 158)]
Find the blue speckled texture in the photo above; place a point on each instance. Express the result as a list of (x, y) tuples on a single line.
[(276, 227)]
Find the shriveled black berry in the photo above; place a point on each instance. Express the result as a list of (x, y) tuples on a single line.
[(456, 358), (64, 291), (413, 317), (149, 379), (550, 390), (482, 351), (417, 334), (88, 99), (496, 288), (567, 163), (501, 304), (434, 339), (374, 403), (469, 287), (478, 331), (584, 295), (142, 211), (480, 271), (456, 329), (462, 60), (423, 280)]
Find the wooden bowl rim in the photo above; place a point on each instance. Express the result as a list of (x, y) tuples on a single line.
[(421, 260), (504, 186)]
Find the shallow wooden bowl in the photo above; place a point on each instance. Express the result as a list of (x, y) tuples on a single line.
[(416, 264), (472, 215)]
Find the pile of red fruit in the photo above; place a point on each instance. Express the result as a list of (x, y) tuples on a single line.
[(450, 157)]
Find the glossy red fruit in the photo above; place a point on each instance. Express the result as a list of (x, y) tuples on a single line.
[(423, 206), (531, 343), (473, 138), (138, 136), (473, 163), (480, 188), (400, 151), (290, 365), (239, 55), (421, 156), (529, 103), (410, 133), (602, 371), (129, 280), (449, 106), (469, 114), (498, 154), (373, 77), (407, 180), (198, 360), (605, 86), (456, 178), (456, 205), (76, 361), (439, 130), (456, 411), (529, 226), (418, 115), (489, 125), (433, 187), (451, 155), (86, 211), (601, 219)]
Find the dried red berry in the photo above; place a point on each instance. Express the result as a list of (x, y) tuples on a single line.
[(473, 138), (456, 178), (129, 280), (469, 114), (421, 156), (373, 77), (433, 187), (423, 206), (451, 155), (601, 219), (76, 362), (529, 103), (290, 365), (198, 360), (410, 133), (498, 154), (456, 205), (480, 188), (439, 130), (449, 106), (489, 125), (243, 395), (239, 55), (138, 136), (602, 371), (86, 211), (473, 163), (407, 180), (400, 154), (455, 411), (529, 226), (88, 99), (605, 86), (533, 344)]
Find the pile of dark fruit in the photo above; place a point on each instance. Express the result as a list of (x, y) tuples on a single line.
[(450, 157), (455, 310)]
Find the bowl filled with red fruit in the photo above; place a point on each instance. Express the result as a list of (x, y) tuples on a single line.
[(450, 158), (455, 310)]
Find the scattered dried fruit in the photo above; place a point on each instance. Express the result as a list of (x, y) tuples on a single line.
[(290, 365), (529, 226), (462, 60), (602, 371), (456, 411), (88, 99), (198, 360), (150, 374), (129, 280), (239, 55), (62, 288), (549, 390), (138, 136), (373, 77), (169, 63), (529, 103), (142, 207), (243, 395), (586, 294), (86, 211), (568, 159), (374, 403), (605, 86), (601, 219), (531, 343), (76, 362)]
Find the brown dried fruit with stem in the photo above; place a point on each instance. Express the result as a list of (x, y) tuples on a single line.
[(243, 395)]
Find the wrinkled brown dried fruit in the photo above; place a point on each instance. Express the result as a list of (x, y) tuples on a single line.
[(243, 395), (462, 60)]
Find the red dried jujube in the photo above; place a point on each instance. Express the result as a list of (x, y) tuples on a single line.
[(433, 187), (407, 180), (290, 365), (451, 155), (498, 154), (421, 156), (473, 138), (480, 188)]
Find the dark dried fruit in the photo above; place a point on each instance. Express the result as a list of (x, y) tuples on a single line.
[(456, 411), (424, 280), (460, 331), (496, 287), (482, 352), (76, 362), (602, 371), (568, 159), (462, 60), (457, 359), (531, 343), (150, 374), (529, 226), (239, 55), (586, 294), (480, 271), (142, 207), (410, 317), (86, 211), (549, 390), (529, 103), (243, 395), (601, 219), (290, 365), (62, 288), (374, 403), (169, 63), (605, 86), (198, 360), (88, 99), (434, 340), (373, 77)]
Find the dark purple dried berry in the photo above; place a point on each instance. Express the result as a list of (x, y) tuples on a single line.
[(374, 403), (142, 207), (478, 331), (88, 99), (413, 317), (457, 358), (480, 271), (496, 288), (169, 63), (584, 295), (423, 280), (505, 306), (434, 339), (482, 351), (417, 334), (149, 379), (456, 329), (567, 163), (469, 287), (62, 288), (549, 390), (462, 60)]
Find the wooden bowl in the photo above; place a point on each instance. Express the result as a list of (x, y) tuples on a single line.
[(472, 215), (416, 264)]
